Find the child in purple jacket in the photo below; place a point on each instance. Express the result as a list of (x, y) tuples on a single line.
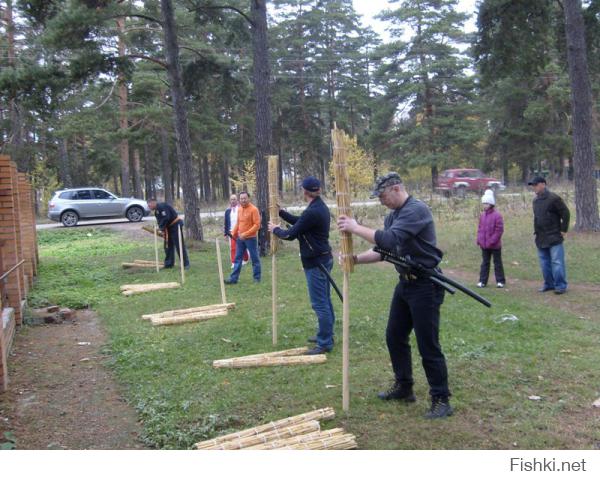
[(489, 235)]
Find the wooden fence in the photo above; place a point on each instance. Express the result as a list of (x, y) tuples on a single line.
[(18, 254)]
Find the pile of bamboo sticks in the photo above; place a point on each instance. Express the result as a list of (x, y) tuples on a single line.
[(293, 356), (134, 289), (149, 229), (141, 264), (300, 432), (188, 315)]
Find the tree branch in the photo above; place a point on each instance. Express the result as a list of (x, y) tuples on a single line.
[(223, 7), (150, 59)]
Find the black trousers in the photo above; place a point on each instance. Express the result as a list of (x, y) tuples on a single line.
[(484, 271), (416, 306), (172, 244)]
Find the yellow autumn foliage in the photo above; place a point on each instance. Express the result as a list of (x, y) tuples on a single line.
[(360, 167)]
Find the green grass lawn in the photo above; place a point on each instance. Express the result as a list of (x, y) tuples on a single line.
[(494, 366)]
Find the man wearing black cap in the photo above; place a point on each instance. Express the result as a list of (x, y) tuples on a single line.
[(409, 231), (312, 231), (550, 224)]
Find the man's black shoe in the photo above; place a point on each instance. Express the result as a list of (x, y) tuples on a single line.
[(229, 282), (168, 266), (317, 351), (312, 339), (440, 408), (398, 392), (544, 289), (559, 292)]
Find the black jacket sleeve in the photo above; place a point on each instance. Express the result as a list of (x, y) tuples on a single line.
[(305, 222), (227, 224), (563, 213), (288, 217)]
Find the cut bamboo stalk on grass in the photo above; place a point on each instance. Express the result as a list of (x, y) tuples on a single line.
[(128, 290), (140, 265), (326, 413), (338, 442), (273, 164), (185, 311), (276, 434), (342, 195), (189, 318), (281, 353), (287, 442), (268, 361), (156, 246), (220, 266)]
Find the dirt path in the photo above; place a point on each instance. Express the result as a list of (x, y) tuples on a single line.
[(61, 394)]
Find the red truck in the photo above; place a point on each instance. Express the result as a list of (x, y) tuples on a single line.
[(458, 181)]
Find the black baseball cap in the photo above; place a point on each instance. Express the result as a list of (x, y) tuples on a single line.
[(536, 180), (311, 184), (383, 182)]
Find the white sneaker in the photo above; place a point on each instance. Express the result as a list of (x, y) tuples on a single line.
[(232, 265), (481, 284), (500, 285), (244, 262)]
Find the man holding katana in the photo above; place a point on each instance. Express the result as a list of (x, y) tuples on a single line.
[(409, 231), (312, 231)]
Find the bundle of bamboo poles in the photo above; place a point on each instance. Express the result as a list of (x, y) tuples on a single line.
[(141, 264), (273, 161), (297, 432), (187, 315), (292, 356), (149, 229), (342, 193), (134, 289)]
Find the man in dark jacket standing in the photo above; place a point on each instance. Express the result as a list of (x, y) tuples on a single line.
[(169, 223), (550, 224), (312, 231)]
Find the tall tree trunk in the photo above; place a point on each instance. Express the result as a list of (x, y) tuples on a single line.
[(84, 162), (193, 224), (123, 122), (64, 169), (206, 177), (166, 167), (225, 179), (148, 177), (137, 178), (261, 78), (586, 198)]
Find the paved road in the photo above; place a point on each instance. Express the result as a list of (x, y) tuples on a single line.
[(220, 213)]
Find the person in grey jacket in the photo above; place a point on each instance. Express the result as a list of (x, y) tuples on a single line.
[(409, 231), (550, 224)]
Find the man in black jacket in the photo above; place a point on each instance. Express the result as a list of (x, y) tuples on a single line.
[(550, 224), (312, 231), (409, 231), (169, 223)]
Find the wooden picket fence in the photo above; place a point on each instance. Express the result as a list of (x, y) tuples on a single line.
[(18, 254)]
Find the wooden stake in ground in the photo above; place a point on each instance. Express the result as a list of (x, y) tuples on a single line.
[(342, 194), (221, 280), (273, 217), (156, 247), (181, 266)]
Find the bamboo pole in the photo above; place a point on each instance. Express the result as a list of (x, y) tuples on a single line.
[(140, 265), (342, 193), (149, 229), (280, 353), (268, 361), (181, 254), (326, 413), (280, 433), (174, 313), (338, 442), (156, 247), (273, 217), (133, 286), (285, 443), (221, 280), (189, 318)]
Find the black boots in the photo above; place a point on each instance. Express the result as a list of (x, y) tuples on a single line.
[(440, 408), (398, 392)]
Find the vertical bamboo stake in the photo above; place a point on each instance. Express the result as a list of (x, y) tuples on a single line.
[(273, 217), (181, 254), (342, 193), (156, 247), (222, 282)]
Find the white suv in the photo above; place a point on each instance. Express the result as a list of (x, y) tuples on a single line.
[(70, 205)]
